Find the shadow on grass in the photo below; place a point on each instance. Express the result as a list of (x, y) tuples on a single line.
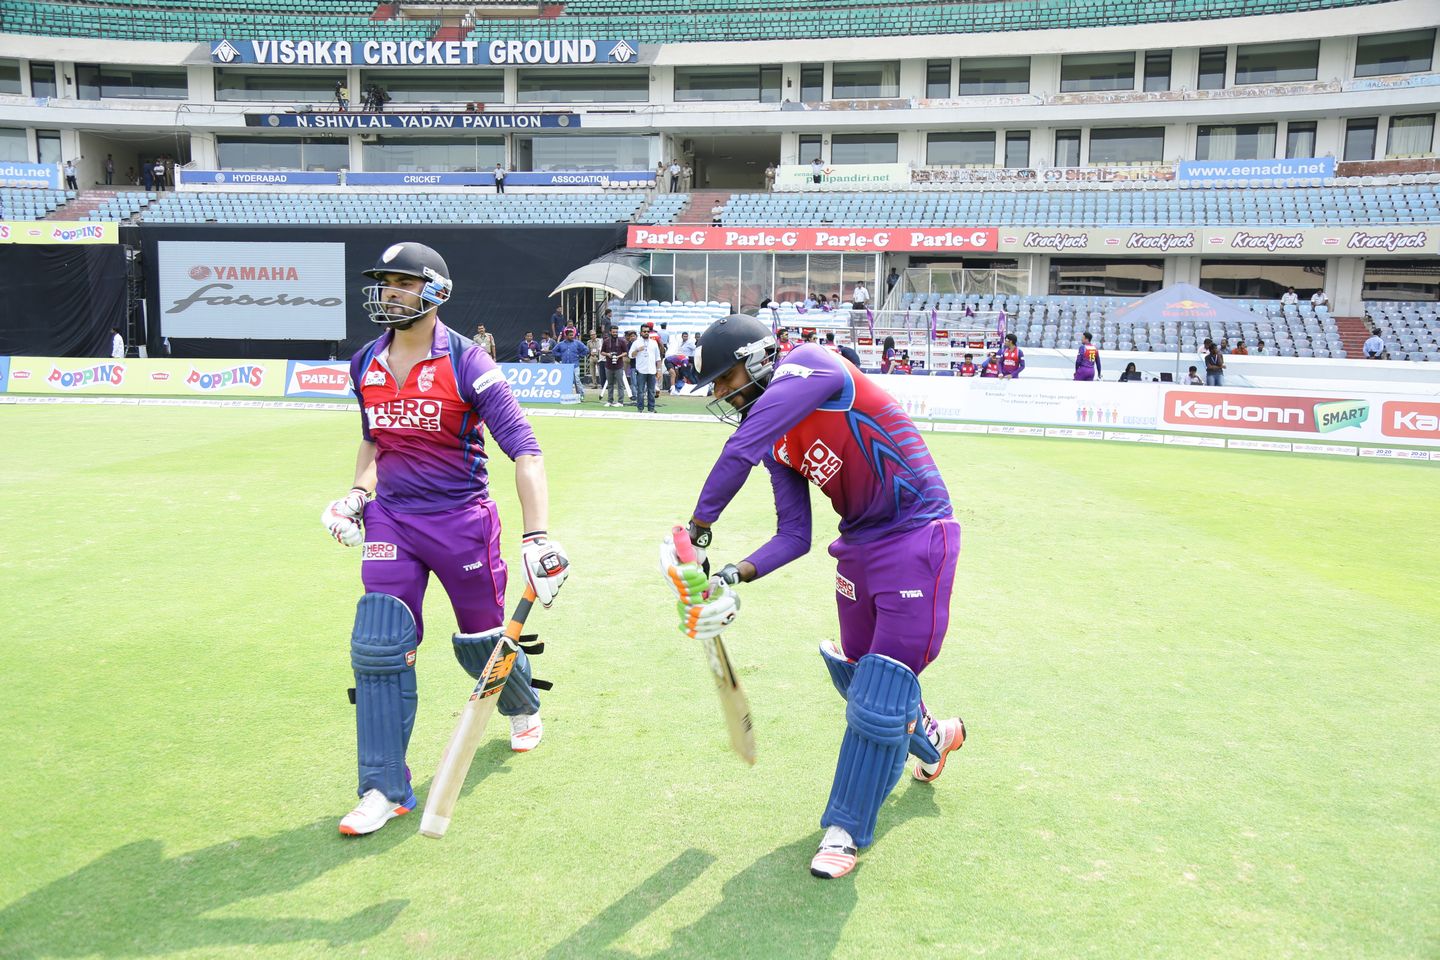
[(135, 900), (771, 908)]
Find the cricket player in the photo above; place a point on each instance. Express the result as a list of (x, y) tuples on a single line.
[(421, 503), (811, 415), (1087, 359)]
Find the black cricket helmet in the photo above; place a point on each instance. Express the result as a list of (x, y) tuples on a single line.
[(736, 339), (411, 260)]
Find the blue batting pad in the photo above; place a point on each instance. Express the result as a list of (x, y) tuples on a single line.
[(883, 706), (382, 654), (842, 672), (517, 696)]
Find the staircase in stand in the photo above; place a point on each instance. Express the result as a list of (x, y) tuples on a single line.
[(1353, 333), (698, 210), (85, 202)]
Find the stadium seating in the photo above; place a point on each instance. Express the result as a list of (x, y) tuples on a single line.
[(1411, 329), (1058, 321), (1300, 206), (25, 203), (678, 316), (161, 21), (664, 208), (648, 21), (204, 207)]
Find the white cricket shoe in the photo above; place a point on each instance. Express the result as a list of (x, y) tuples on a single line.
[(525, 731), (836, 856), (372, 812), (951, 736)]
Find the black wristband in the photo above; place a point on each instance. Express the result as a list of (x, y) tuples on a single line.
[(699, 536)]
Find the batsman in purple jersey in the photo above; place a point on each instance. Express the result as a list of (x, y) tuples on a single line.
[(813, 417), (421, 504)]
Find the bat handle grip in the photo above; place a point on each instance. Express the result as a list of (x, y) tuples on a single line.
[(684, 551)]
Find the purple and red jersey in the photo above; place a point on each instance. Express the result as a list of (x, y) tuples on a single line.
[(821, 420), (430, 451), (1087, 362)]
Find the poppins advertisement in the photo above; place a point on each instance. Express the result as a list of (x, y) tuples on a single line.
[(1319, 417), (58, 232), (193, 378)]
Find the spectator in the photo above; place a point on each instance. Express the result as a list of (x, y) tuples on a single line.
[(131, 178), (547, 348), (902, 363), (817, 170), (660, 177), (1240, 350), (117, 344), (1214, 365), (887, 354), (770, 177), (614, 351), (573, 351), (70, 180), (342, 96), (783, 341), (687, 178), (834, 301), (630, 381), (595, 363), (147, 175), (1131, 375), (1224, 344), (382, 97), (645, 355), (845, 351), (1375, 346), (812, 301), (159, 173), (485, 341), (1320, 299), (529, 350), (558, 321), (966, 367), (499, 178), (1012, 358), (891, 279), (1289, 298), (675, 170), (807, 336), (716, 212), (860, 297), (109, 170), (1260, 349), (1192, 378), (991, 366), (1087, 359), (678, 362)]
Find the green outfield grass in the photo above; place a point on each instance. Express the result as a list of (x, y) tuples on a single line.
[(1200, 687)]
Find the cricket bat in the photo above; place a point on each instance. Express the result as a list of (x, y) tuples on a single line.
[(460, 752), (733, 703)]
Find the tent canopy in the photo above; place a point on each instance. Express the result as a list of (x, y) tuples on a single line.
[(1183, 302), (616, 273)]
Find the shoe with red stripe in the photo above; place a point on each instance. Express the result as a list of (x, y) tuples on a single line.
[(374, 811), (525, 731), (836, 856), (951, 737)]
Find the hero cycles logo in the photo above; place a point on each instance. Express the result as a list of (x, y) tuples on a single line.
[(102, 374), (242, 376), (1263, 412), (405, 414), (226, 275)]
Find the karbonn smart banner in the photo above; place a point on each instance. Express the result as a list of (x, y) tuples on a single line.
[(260, 291), (861, 239)]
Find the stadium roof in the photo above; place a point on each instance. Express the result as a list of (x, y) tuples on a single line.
[(615, 272)]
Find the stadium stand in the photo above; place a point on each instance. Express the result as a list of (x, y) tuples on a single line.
[(664, 208), (677, 315), (1412, 330), (649, 21), (1094, 207), (31, 204), (202, 207)]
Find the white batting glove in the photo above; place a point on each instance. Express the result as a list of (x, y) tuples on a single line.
[(546, 565), (707, 619), (343, 517)]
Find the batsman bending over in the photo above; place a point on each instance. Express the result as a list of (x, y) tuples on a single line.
[(421, 503), (812, 415)]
